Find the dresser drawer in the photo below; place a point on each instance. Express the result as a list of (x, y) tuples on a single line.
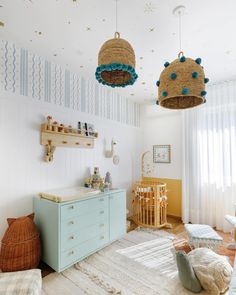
[(79, 208), (74, 224), (76, 253), (70, 240)]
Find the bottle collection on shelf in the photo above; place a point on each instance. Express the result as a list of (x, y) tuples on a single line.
[(85, 129)]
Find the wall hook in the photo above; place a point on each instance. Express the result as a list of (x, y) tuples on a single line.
[(50, 149)]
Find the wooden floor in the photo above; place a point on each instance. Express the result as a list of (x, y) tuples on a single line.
[(181, 238)]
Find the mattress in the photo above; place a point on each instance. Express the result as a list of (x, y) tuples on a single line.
[(69, 194)]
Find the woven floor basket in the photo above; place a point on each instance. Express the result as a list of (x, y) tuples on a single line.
[(20, 248), (117, 51), (178, 77)]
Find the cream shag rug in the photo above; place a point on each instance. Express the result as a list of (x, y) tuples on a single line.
[(141, 263)]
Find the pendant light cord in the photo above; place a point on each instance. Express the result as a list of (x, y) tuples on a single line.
[(180, 32), (116, 16)]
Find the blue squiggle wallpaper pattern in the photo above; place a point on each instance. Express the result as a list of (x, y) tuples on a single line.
[(28, 74)]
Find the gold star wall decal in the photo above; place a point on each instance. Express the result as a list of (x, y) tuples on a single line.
[(149, 7), (88, 29)]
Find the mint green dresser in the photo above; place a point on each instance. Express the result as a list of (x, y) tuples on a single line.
[(71, 231)]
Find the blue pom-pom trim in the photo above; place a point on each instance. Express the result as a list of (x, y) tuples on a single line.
[(166, 64), (185, 91), (194, 75), (203, 93), (198, 60), (206, 80), (164, 93), (182, 59), (173, 76), (158, 83), (114, 67)]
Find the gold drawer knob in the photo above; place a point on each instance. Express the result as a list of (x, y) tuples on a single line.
[(72, 252), (72, 222), (102, 237), (72, 237), (72, 207), (102, 212)]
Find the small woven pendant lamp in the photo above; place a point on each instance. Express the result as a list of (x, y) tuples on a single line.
[(182, 82), (116, 62)]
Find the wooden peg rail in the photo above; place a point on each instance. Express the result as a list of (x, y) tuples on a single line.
[(52, 139)]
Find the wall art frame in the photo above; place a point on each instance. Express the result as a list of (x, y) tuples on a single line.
[(162, 153)]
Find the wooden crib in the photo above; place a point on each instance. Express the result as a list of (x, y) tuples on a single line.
[(150, 204)]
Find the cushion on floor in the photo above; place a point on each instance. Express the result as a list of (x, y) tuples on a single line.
[(213, 271), (186, 273), (27, 282)]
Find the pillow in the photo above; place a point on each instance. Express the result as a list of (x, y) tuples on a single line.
[(186, 273), (213, 271)]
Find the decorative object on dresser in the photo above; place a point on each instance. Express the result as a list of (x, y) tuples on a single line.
[(79, 228), (108, 180), (150, 204), (161, 154), (21, 248), (97, 180), (54, 134)]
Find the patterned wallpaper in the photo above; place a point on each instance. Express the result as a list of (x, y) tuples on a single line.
[(28, 74)]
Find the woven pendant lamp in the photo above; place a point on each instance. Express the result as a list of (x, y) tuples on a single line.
[(182, 82), (116, 62)]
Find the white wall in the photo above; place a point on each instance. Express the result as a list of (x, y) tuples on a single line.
[(31, 88), (23, 173), (164, 127)]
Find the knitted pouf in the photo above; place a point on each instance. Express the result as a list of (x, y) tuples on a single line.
[(21, 248)]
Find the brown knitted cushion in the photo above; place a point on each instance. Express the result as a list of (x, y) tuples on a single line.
[(21, 248)]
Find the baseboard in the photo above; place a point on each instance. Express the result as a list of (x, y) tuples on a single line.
[(178, 218)]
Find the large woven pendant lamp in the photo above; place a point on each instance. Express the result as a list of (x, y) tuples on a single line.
[(182, 82), (116, 62)]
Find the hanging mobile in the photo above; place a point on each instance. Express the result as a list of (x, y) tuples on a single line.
[(182, 82)]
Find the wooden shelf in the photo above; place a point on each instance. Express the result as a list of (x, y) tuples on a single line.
[(53, 139)]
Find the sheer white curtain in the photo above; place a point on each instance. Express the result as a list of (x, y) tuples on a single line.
[(209, 153)]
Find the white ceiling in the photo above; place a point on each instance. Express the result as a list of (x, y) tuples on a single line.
[(71, 32)]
